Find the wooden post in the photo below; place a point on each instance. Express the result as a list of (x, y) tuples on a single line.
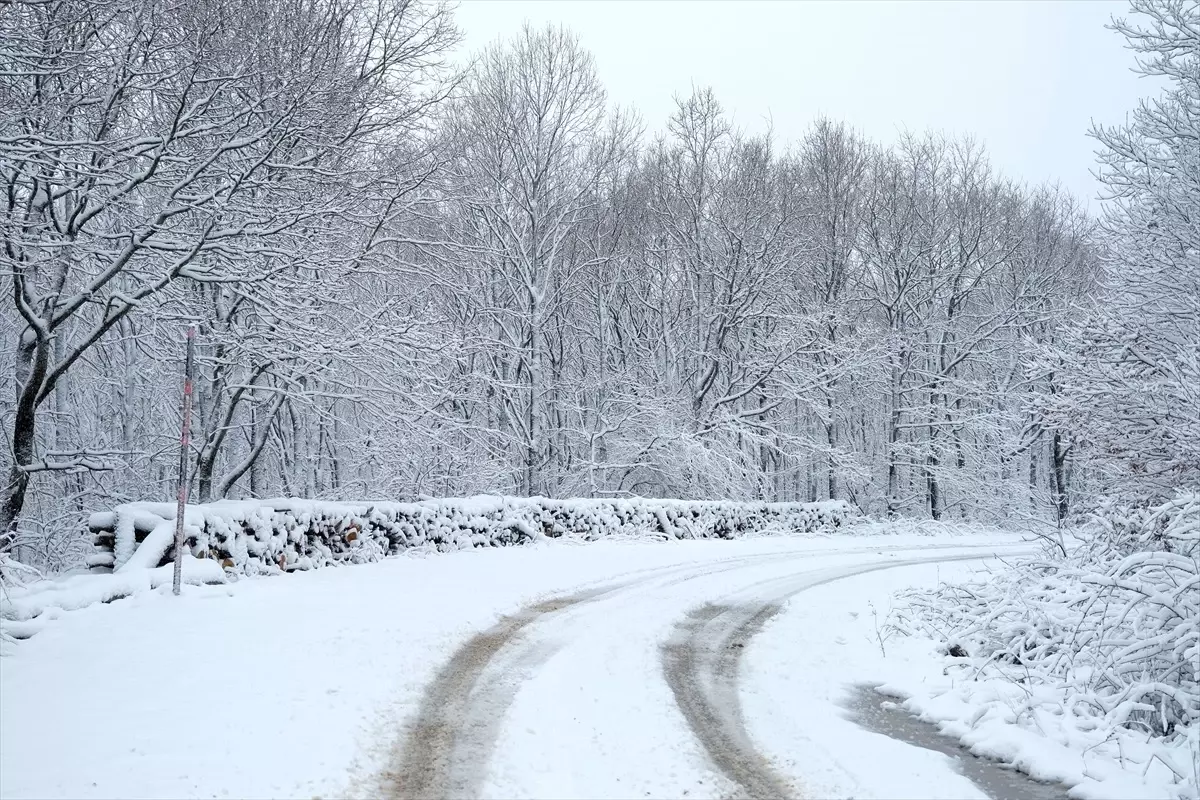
[(183, 458)]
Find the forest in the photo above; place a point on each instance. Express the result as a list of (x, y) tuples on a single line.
[(412, 276)]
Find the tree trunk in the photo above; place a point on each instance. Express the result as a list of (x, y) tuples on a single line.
[(533, 419), (831, 440), (933, 487), (1059, 479), (32, 360)]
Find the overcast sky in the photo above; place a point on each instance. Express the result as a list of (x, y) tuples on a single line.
[(1025, 77)]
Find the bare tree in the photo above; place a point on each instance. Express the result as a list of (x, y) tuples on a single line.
[(414, 281), (534, 140), (1129, 373), (146, 143)]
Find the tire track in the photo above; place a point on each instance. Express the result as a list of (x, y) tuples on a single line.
[(446, 750), (428, 767), (702, 664)]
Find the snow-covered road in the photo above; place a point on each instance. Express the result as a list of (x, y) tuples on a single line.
[(617, 669)]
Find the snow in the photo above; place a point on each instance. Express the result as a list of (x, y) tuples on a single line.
[(799, 672), (303, 686), (1081, 668), (287, 534), (232, 538), (1009, 722), (797, 680), (38, 602), (287, 687)]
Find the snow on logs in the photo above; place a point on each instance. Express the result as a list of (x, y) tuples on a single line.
[(273, 536)]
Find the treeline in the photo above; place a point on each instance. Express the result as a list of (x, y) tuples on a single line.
[(411, 279)]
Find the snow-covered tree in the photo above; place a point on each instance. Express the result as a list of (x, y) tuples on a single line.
[(1128, 378), (148, 143), (410, 281)]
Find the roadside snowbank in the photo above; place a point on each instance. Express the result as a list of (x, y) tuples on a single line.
[(1025, 726), (1084, 669)]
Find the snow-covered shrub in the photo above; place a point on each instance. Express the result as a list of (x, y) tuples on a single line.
[(1113, 629), (271, 536)]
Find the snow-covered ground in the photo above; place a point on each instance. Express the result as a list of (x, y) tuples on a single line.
[(309, 685), (837, 635)]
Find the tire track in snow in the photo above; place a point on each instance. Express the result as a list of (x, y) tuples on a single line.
[(446, 749), (702, 663), (430, 761)]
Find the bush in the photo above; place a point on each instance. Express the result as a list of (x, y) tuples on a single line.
[(1114, 627)]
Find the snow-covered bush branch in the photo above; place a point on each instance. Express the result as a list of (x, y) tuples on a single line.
[(1106, 639)]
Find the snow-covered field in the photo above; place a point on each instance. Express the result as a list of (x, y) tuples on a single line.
[(310, 685)]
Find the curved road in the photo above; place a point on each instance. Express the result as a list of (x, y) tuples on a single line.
[(698, 617)]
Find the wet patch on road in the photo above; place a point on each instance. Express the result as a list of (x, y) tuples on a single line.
[(878, 713)]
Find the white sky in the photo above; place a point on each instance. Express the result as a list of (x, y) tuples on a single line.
[(1025, 77)]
